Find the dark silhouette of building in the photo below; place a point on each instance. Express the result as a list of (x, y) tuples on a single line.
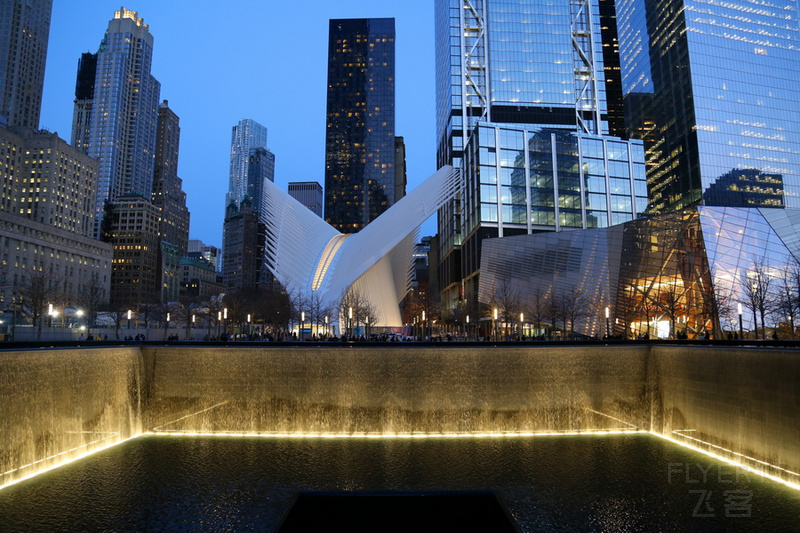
[(360, 138)]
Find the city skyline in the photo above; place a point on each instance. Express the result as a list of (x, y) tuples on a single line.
[(209, 100)]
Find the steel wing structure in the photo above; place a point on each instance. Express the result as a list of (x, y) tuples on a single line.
[(306, 254)]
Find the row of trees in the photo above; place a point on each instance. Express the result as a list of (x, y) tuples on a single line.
[(265, 308)]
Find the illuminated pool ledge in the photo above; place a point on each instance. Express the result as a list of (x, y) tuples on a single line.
[(68, 456), (724, 455), (413, 435), (764, 469)]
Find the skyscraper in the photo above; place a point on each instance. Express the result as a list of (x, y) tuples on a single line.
[(24, 33), (360, 137), (707, 88), (246, 136), (168, 194), (522, 109), (123, 99), (261, 167), (308, 193)]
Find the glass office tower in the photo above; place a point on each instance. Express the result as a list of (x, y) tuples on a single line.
[(246, 136), (122, 126), (711, 88), (522, 109), (359, 137)]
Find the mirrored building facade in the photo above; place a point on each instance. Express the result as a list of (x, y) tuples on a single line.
[(523, 109), (360, 135), (701, 272), (122, 103), (706, 85)]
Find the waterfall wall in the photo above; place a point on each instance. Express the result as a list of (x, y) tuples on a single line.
[(742, 403), (57, 405)]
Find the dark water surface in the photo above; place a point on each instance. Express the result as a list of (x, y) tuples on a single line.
[(581, 483)]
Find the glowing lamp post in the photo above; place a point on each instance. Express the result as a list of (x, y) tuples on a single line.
[(741, 328), (350, 320), (467, 332), (129, 318), (424, 333), (302, 319), (494, 323), (608, 323), (326, 325)]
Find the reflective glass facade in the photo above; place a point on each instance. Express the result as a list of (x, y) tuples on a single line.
[(707, 87), (246, 136), (124, 112), (548, 179), (522, 91), (359, 138), (682, 274)]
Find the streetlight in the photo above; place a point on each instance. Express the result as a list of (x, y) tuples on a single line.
[(522, 326), (608, 324), (326, 325), (494, 323), (467, 332), (302, 319), (350, 320), (424, 333), (741, 329), (219, 320), (225, 323), (129, 318)]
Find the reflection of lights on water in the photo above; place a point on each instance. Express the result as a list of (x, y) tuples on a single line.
[(752, 470), (62, 462)]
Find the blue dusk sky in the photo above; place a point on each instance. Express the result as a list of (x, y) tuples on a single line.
[(266, 60)]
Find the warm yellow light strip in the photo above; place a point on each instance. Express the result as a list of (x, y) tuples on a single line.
[(331, 249), (759, 461), (63, 462), (447, 435), (790, 484)]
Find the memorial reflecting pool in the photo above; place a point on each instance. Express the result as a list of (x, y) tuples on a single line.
[(634, 482), (569, 437)]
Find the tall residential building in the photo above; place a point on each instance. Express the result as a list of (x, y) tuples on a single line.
[(523, 111), (260, 168), (24, 33), (246, 136), (84, 97), (707, 86), (360, 136), (400, 177), (124, 111), (308, 193), (132, 227), (243, 253), (167, 192), (46, 180)]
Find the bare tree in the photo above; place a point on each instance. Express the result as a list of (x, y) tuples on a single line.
[(35, 294), (536, 307), (505, 298), (757, 288), (784, 308), (575, 306), (355, 303), (92, 298), (668, 301), (553, 313)]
